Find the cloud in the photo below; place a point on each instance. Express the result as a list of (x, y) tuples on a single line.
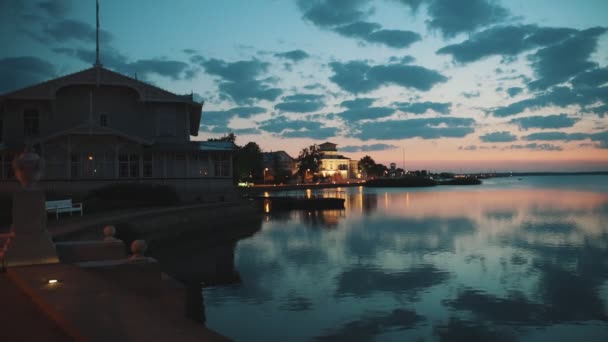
[(402, 60), (592, 78), (429, 128), (470, 94), (357, 114), (297, 128), (514, 91), (556, 96), (346, 17), (235, 71), (373, 33), (454, 17), (238, 80), (301, 103), (294, 55), (328, 13), (70, 30), (535, 146), (219, 119), (144, 68), (358, 103), (504, 41), (503, 136), (545, 122), (600, 137), (360, 77), (55, 8), (423, 107), (559, 62), (367, 148), (19, 72)]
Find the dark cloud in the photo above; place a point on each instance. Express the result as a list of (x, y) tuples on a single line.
[(545, 122), (535, 146), (19, 72), (328, 13), (239, 81), (55, 8), (297, 128), (402, 60), (373, 33), (591, 78), (430, 128), (504, 41), (360, 77), (294, 55), (217, 121), (367, 148), (498, 137), (601, 138), (314, 86), (454, 17), (514, 91), (357, 114), (346, 17), (559, 62), (144, 68), (69, 30), (358, 103), (556, 96), (423, 107), (235, 71), (373, 324), (301, 103)]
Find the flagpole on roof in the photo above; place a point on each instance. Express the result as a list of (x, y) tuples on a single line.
[(97, 63)]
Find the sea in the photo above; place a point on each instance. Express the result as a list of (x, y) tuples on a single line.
[(513, 259)]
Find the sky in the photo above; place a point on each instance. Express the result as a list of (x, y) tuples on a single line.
[(472, 85)]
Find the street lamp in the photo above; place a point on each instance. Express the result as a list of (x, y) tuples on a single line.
[(306, 175), (265, 170)]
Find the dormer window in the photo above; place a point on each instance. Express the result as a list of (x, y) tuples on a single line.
[(31, 125)]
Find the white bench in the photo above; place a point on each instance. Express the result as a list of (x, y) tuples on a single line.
[(63, 206)]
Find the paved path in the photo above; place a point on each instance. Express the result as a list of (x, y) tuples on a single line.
[(92, 307), (21, 320)]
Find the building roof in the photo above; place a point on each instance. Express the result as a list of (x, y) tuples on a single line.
[(333, 156), (102, 76)]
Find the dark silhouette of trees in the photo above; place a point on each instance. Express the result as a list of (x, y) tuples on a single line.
[(309, 161), (248, 163), (228, 137), (370, 168)]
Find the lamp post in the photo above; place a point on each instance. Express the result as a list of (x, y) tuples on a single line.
[(265, 170), (306, 175)]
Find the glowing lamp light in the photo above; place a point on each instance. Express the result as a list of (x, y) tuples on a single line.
[(90, 157), (53, 281)]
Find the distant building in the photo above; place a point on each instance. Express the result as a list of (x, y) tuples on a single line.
[(279, 162), (96, 127), (335, 165)]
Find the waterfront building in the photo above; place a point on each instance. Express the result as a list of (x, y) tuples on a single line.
[(335, 165), (97, 127)]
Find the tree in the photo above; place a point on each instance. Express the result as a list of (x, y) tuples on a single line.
[(248, 163), (370, 168), (230, 137), (309, 161)]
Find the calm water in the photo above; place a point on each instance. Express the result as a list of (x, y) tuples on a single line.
[(510, 260)]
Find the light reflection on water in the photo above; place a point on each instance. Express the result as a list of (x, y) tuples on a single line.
[(505, 264)]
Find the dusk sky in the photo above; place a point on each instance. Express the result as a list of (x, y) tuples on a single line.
[(439, 84)]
